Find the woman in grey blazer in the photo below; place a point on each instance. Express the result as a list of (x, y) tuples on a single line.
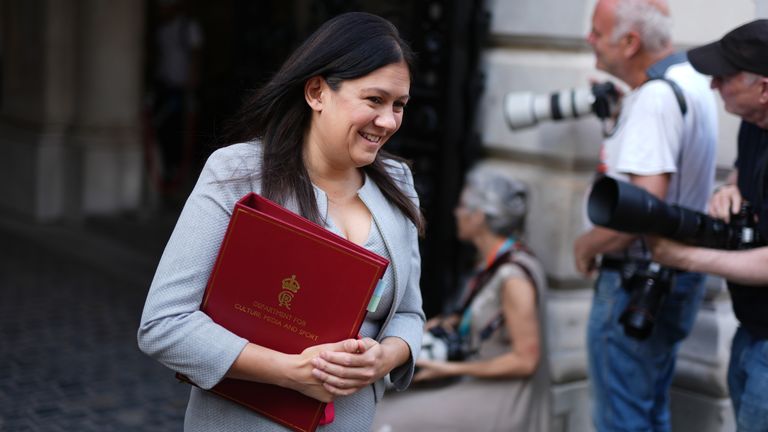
[(310, 140)]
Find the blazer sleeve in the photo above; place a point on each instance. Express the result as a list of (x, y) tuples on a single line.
[(408, 320), (173, 330)]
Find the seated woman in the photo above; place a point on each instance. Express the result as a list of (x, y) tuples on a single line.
[(502, 385)]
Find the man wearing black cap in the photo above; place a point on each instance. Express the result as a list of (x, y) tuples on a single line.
[(738, 64)]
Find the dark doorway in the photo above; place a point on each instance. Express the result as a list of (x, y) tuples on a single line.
[(245, 41)]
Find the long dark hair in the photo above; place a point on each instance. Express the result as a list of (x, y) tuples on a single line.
[(346, 47)]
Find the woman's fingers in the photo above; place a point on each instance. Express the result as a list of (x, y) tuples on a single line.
[(352, 367), (337, 385)]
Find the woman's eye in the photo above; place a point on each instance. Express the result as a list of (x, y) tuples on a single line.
[(375, 99), (399, 106)]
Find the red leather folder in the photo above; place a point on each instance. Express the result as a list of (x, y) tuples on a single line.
[(284, 282)]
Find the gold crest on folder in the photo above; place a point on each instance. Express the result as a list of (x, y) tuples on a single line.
[(290, 288)]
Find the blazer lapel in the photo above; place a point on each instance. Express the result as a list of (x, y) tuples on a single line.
[(394, 231)]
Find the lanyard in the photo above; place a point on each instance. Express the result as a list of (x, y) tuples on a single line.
[(498, 251), (501, 249)]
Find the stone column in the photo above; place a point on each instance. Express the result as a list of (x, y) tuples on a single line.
[(38, 77), (69, 116), (107, 128)]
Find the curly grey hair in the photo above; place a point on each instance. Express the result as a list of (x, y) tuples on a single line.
[(502, 199), (649, 18)]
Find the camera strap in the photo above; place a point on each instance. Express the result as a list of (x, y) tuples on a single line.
[(677, 91), (507, 257), (657, 71), (496, 259)]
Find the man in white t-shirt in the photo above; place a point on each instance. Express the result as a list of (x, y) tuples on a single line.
[(663, 141)]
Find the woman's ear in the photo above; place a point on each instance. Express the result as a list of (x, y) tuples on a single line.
[(313, 92)]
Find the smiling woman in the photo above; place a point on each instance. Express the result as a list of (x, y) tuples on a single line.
[(311, 140), (352, 121)]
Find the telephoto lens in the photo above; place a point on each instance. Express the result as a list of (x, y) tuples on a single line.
[(625, 207), (526, 109)]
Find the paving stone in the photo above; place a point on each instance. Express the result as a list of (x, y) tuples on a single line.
[(68, 354)]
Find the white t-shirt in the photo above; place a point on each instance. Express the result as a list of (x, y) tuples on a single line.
[(653, 137)]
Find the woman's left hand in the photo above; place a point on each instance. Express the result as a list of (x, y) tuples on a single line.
[(430, 369), (362, 363)]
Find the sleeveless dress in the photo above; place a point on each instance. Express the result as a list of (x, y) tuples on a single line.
[(479, 404)]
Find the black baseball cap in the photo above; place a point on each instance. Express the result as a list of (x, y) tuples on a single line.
[(744, 48)]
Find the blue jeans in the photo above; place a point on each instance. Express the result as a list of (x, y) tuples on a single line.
[(630, 378), (748, 381)]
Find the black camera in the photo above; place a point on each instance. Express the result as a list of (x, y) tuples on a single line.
[(441, 344), (648, 284), (454, 343), (622, 206), (525, 109)]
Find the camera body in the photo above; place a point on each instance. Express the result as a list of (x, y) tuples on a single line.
[(525, 109), (443, 345), (743, 227), (625, 207), (648, 284)]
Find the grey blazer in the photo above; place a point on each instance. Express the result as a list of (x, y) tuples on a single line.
[(177, 334)]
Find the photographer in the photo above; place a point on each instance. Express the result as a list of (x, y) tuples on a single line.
[(498, 379), (664, 142), (739, 69)]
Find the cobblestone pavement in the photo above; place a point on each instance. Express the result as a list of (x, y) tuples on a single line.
[(70, 303)]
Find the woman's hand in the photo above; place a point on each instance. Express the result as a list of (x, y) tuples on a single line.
[(430, 370), (304, 380), (293, 371), (449, 322), (359, 364), (433, 322)]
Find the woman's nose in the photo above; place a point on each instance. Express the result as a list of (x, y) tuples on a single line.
[(387, 120)]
